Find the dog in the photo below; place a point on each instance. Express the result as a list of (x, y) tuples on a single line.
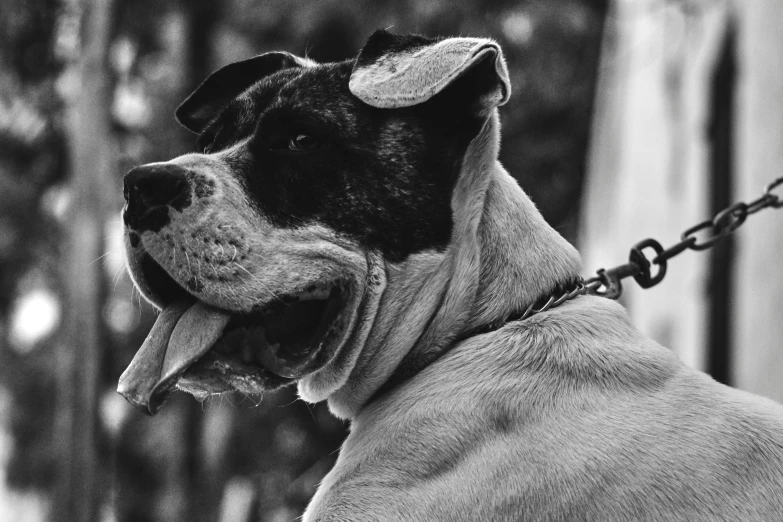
[(347, 227)]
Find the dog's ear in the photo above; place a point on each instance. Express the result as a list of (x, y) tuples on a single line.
[(400, 71), (227, 83)]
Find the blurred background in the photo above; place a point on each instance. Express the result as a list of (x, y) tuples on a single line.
[(629, 119)]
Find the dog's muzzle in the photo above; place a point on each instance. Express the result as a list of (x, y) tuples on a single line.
[(199, 347)]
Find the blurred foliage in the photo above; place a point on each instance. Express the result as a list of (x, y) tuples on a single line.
[(194, 461)]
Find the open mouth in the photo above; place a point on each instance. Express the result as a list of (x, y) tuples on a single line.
[(206, 350)]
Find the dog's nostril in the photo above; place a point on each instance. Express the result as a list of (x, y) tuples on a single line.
[(154, 187), (160, 190)]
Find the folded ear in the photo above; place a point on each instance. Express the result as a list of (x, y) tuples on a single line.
[(227, 83), (399, 71)]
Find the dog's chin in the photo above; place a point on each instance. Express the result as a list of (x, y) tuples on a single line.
[(204, 349)]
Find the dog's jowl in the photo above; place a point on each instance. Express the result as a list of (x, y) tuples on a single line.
[(348, 228)]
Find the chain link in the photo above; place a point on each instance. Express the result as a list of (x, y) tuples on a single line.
[(704, 235), (608, 282)]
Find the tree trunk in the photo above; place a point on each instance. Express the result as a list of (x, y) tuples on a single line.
[(80, 492)]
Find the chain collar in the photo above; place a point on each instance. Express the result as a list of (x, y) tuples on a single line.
[(564, 292)]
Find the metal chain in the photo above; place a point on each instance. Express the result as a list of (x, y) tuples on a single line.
[(608, 283)]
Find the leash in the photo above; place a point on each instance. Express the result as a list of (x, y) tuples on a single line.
[(608, 283)]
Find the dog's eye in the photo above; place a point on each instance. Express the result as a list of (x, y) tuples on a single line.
[(302, 142)]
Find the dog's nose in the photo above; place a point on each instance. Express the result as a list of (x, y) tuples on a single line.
[(150, 190), (158, 184)]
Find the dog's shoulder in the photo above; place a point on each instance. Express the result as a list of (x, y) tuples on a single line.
[(570, 410)]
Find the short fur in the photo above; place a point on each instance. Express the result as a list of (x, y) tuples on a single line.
[(568, 415)]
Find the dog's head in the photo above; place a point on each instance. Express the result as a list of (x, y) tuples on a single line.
[(318, 188)]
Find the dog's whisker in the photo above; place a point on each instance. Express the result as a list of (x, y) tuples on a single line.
[(99, 258), (255, 278), (117, 276), (289, 403), (214, 269), (250, 400), (135, 299), (309, 409), (275, 296), (229, 401), (247, 272)]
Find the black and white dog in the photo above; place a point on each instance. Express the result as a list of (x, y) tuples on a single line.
[(348, 227)]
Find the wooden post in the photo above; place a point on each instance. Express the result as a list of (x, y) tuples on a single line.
[(758, 328), (79, 489)]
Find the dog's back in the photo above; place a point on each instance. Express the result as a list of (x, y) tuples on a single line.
[(571, 415)]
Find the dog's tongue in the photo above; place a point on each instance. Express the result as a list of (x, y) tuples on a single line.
[(183, 333)]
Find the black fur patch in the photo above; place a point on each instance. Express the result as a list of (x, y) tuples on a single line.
[(383, 177)]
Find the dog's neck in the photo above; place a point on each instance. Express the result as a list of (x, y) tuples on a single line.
[(522, 257), (503, 257)]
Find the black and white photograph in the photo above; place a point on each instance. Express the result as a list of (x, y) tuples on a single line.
[(412, 260)]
